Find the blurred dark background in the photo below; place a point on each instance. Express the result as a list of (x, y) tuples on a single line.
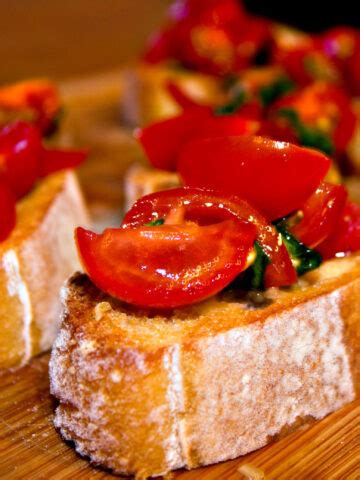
[(64, 38), (315, 15)]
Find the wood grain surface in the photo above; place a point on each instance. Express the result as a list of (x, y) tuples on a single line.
[(30, 448), (64, 38)]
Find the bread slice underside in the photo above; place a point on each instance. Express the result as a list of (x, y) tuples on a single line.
[(145, 393), (34, 263)]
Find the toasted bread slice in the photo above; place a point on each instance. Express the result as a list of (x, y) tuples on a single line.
[(141, 180), (145, 98), (34, 262), (145, 393)]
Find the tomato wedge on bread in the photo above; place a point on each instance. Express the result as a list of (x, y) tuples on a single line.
[(162, 141), (167, 266), (206, 207), (275, 177)]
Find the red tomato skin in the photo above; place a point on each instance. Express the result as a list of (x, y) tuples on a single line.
[(237, 165), (162, 141), (353, 72), (346, 237), (315, 102), (53, 160), (322, 212), (182, 98), (167, 266), (207, 207), (20, 147), (7, 211), (39, 95)]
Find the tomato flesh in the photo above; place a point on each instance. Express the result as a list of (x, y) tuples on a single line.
[(168, 266), (20, 147), (39, 96), (346, 237), (207, 207), (276, 177), (321, 214), (53, 160), (163, 140), (7, 211), (325, 107)]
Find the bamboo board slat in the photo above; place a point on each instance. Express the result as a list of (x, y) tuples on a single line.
[(30, 447)]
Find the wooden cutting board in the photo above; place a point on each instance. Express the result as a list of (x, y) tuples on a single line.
[(30, 448)]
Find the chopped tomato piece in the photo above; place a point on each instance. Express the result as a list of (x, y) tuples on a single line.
[(321, 214), (52, 160), (20, 146), (7, 211), (208, 207), (213, 36), (276, 177), (39, 96), (321, 106), (346, 237), (181, 98), (163, 140), (168, 266)]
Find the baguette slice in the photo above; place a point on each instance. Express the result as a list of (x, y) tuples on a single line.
[(34, 262), (145, 98), (145, 393)]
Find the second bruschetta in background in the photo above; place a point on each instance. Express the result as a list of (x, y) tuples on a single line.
[(39, 208)]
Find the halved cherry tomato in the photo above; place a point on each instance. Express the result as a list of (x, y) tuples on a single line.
[(163, 140), (40, 96), (276, 177), (321, 214), (305, 62), (346, 237), (7, 211), (208, 207), (20, 147), (53, 160), (168, 266)]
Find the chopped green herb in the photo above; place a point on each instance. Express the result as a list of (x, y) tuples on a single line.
[(304, 258), (229, 82), (308, 136), (155, 223), (254, 276), (269, 93), (233, 106)]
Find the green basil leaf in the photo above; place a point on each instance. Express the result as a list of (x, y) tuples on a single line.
[(233, 105), (155, 223), (304, 258), (269, 93), (253, 277), (308, 136)]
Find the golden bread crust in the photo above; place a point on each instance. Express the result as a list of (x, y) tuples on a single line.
[(34, 262), (144, 393)]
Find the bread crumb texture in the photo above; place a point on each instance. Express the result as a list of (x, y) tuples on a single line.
[(148, 393)]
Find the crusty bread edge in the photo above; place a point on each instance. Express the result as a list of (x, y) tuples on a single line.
[(190, 441)]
